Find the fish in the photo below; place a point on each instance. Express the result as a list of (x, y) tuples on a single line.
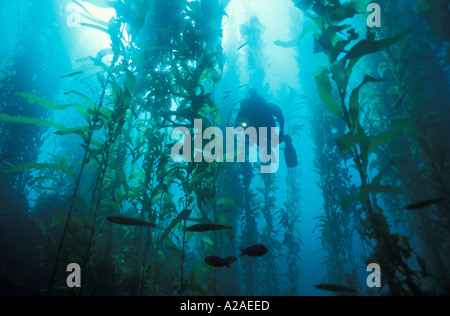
[(184, 214), (4, 79), (218, 262), (72, 74), (121, 220), (334, 288), (400, 100), (286, 44), (207, 227), (5, 157), (242, 46), (257, 250), (422, 204)]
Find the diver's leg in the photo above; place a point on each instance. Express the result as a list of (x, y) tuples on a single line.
[(268, 148)]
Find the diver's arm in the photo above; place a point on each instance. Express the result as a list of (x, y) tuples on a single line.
[(240, 115), (240, 118)]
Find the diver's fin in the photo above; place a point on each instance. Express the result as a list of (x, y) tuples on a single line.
[(290, 154)]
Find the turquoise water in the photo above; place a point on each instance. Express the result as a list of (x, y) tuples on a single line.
[(92, 90)]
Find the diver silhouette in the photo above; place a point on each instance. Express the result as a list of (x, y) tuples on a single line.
[(257, 112)]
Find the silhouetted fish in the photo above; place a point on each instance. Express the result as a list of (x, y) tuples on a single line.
[(128, 221), (218, 262), (334, 288), (422, 204), (207, 227), (72, 74), (184, 214), (258, 250), (5, 157), (400, 100), (243, 45)]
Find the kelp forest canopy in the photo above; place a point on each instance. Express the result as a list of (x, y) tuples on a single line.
[(92, 90)]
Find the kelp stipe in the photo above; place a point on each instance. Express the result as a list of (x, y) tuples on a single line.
[(269, 212), (114, 128), (190, 59), (252, 33), (248, 221), (290, 215), (92, 128)]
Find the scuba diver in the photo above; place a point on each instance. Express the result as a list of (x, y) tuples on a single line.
[(257, 112)]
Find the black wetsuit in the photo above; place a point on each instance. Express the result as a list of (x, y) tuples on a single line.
[(257, 112)]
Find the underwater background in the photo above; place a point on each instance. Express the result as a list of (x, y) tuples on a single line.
[(90, 92)]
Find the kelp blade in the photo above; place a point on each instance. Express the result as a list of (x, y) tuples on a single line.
[(31, 166)]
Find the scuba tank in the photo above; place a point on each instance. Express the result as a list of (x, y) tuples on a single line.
[(290, 155)]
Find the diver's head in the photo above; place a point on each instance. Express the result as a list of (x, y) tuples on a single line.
[(252, 93)]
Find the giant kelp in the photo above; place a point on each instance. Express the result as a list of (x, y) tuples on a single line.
[(116, 118), (110, 197), (422, 151), (390, 250)]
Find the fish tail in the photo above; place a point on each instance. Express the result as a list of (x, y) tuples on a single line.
[(242, 252)]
